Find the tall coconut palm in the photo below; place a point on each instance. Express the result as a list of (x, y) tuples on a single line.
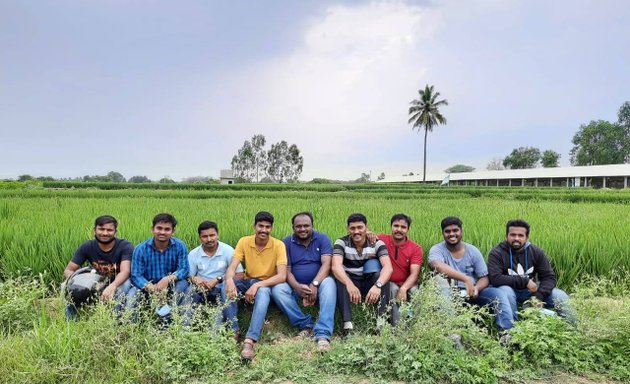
[(425, 115)]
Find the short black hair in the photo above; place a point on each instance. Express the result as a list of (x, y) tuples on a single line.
[(207, 225), (105, 219), (305, 213), (517, 223), (263, 216), (353, 218), (401, 216), (451, 220), (165, 218)]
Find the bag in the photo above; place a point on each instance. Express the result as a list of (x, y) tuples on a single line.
[(84, 284)]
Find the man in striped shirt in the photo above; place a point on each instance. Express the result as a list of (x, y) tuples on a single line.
[(362, 270)]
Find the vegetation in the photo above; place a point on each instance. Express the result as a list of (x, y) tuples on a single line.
[(425, 114), (459, 168), (549, 159), (582, 230), (281, 163)]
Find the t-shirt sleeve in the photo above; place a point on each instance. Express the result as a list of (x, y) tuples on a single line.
[(416, 257), (127, 251), (481, 269), (192, 265), (239, 251), (81, 254), (229, 252), (339, 249), (381, 249), (435, 254), (325, 247), (281, 253)]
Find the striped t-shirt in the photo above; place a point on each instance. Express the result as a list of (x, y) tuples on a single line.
[(353, 261)]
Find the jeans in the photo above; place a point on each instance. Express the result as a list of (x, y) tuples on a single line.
[(558, 300), (198, 296), (286, 298), (119, 299), (393, 291), (364, 283), (261, 303), (490, 296), (179, 298)]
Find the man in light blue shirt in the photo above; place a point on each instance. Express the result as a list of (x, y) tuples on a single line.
[(208, 263)]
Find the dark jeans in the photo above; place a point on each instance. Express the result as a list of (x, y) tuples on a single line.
[(364, 283)]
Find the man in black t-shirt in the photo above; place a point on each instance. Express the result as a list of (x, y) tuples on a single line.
[(109, 256)]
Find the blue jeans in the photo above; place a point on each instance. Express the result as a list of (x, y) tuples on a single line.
[(393, 291), (214, 296), (261, 303), (178, 293), (490, 296), (558, 300), (119, 299), (286, 298)]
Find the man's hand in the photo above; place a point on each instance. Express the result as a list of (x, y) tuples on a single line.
[(303, 290), (475, 292), (373, 295), (251, 293), (355, 294), (311, 298), (230, 289), (532, 286), (371, 236), (162, 285), (401, 295), (470, 288), (108, 293)]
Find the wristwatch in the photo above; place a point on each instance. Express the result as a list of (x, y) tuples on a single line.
[(220, 279), (378, 284), (315, 283)]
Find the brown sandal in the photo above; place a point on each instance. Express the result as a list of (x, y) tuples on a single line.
[(247, 352)]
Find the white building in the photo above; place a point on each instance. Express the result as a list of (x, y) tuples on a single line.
[(227, 176), (596, 176)]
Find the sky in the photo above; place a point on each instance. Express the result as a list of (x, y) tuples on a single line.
[(167, 88)]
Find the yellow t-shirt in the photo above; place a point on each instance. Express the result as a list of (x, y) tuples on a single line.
[(260, 265)]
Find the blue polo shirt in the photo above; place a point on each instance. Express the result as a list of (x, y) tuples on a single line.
[(304, 262), (211, 267)]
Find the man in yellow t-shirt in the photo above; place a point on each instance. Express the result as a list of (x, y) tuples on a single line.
[(265, 260)]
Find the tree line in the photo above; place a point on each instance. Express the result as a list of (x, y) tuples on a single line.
[(253, 163)]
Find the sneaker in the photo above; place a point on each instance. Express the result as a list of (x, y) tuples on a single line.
[(505, 339), (248, 352), (306, 333), (347, 332), (323, 345)]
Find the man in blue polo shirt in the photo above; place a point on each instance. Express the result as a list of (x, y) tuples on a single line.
[(159, 266), (208, 263), (309, 256)]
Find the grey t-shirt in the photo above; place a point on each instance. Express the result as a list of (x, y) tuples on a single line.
[(471, 264)]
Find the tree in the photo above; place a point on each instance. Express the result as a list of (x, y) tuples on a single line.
[(549, 159), (623, 117), (25, 177), (459, 168), (139, 179), (116, 177), (600, 142), (284, 162), (251, 160), (166, 180), (522, 158), (425, 115), (365, 178), (381, 176), (496, 164)]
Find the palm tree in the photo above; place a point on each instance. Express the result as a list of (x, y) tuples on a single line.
[(425, 114)]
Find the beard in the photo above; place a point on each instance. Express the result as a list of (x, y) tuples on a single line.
[(105, 242)]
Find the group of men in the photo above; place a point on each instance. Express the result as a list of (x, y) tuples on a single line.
[(381, 269)]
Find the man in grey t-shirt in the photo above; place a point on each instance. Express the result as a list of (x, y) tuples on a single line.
[(464, 267)]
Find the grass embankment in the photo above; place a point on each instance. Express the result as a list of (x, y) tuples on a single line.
[(39, 346)]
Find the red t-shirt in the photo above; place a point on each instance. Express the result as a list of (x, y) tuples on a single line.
[(402, 257)]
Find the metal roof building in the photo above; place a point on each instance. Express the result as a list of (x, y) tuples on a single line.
[(596, 176)]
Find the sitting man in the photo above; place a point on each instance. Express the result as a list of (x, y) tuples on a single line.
[(521, 270), (265, 261), (208, 264), (109, 256), (406, 259), (465, 269), (351, 253), (159, 268), (309, 256)]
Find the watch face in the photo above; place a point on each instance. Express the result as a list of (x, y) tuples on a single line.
[(379, 284), (315, 283)]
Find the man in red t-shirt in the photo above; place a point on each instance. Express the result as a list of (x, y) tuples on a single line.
[(406, 258)]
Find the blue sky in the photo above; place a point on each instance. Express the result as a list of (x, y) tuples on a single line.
[(164, 88)]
